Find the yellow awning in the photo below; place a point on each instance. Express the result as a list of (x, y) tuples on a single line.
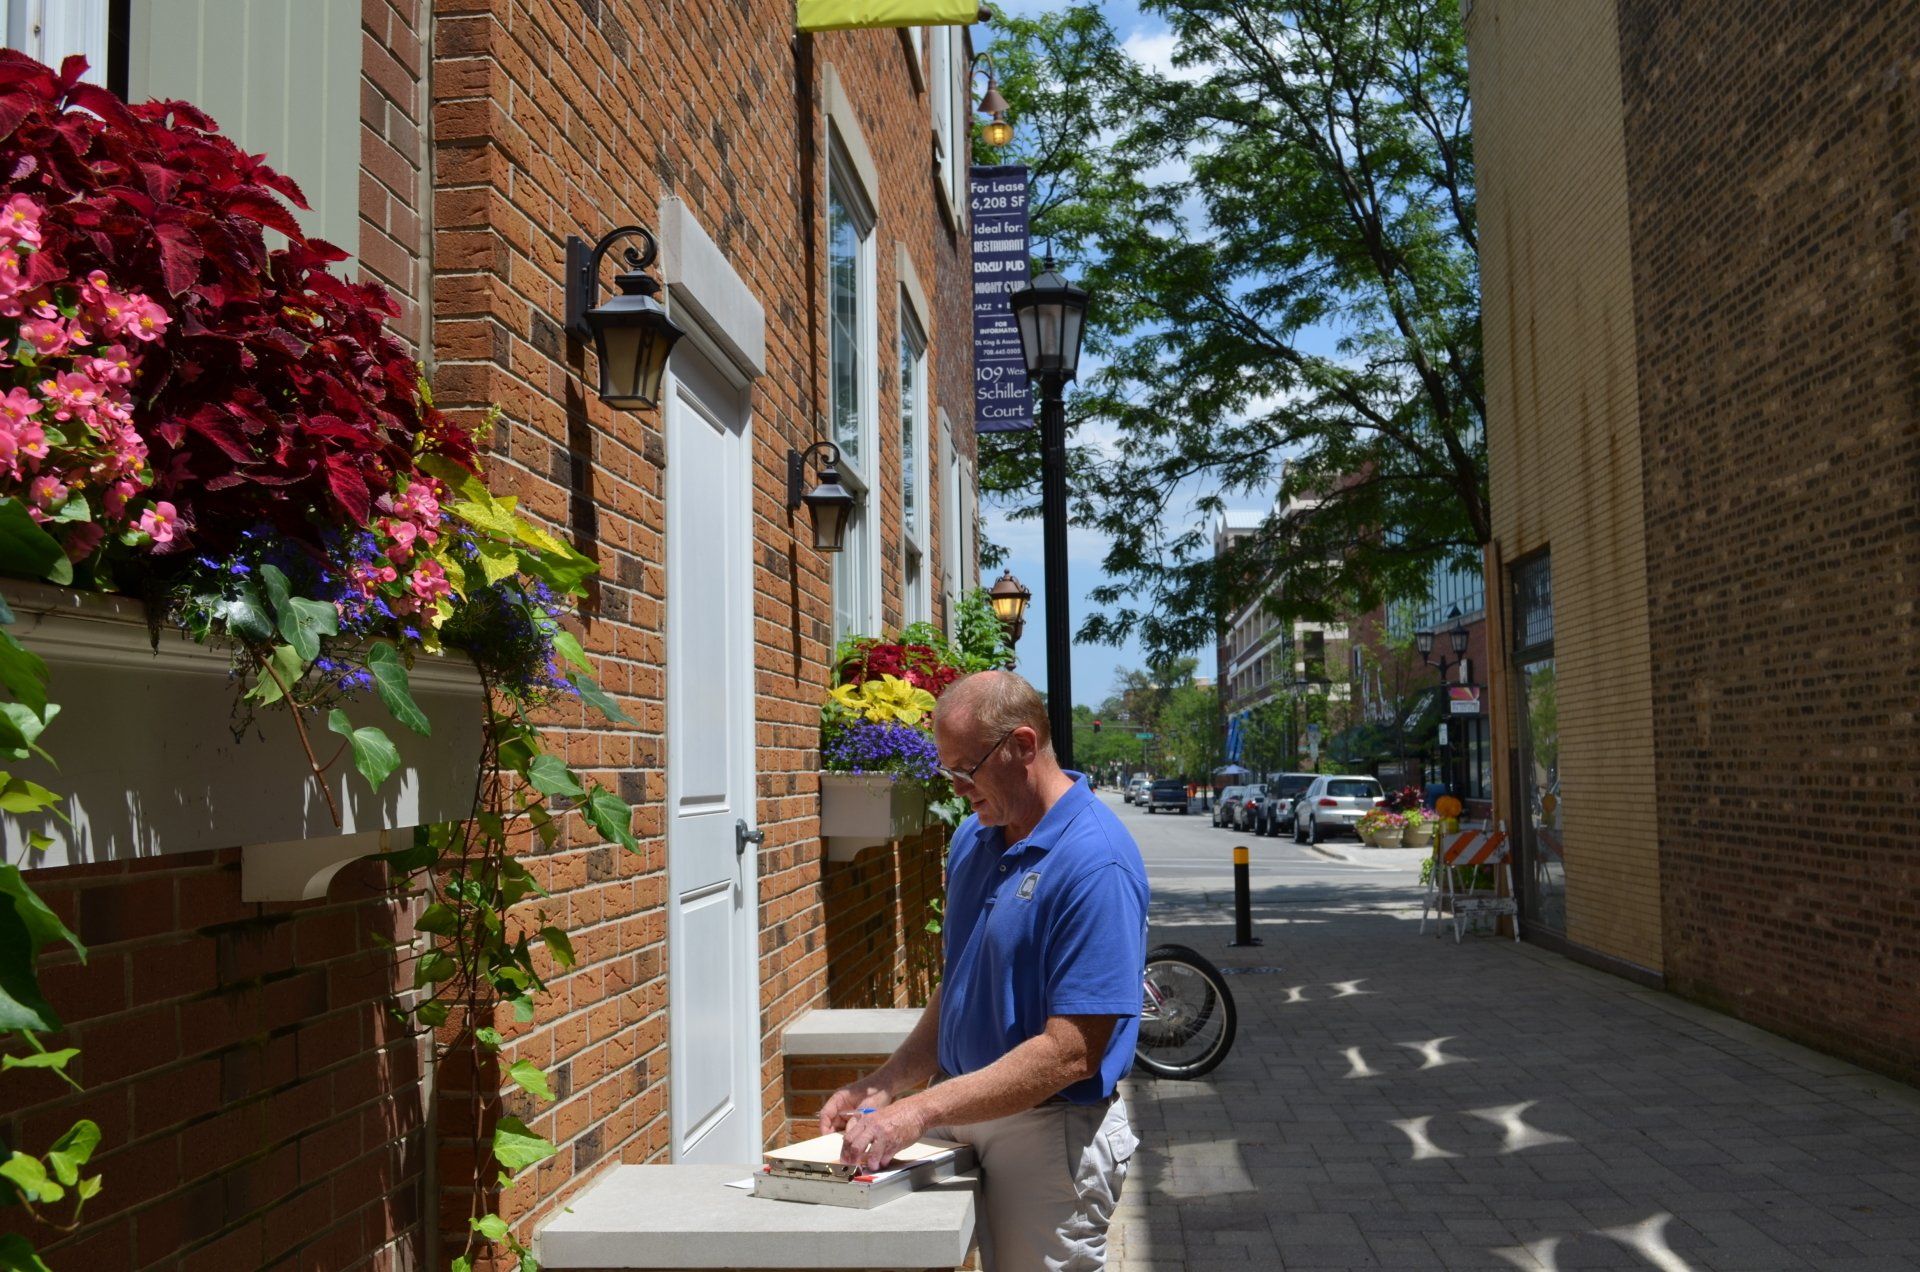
[(846, 15)]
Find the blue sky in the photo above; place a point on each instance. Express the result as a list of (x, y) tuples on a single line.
[(1094, 666)]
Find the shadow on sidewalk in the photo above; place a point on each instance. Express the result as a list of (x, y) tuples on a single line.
[(1399, 1101)]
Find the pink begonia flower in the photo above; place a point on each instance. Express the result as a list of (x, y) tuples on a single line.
[(96, 288), (17, 405), (82, 539), (158, 521), (71, 393), (115, 500), (370, 579), (48, 336), (32, 441), (419, 503), (20, 220), (429, 582), (403, 533), (114, 365), (149, 320), (47, 491)]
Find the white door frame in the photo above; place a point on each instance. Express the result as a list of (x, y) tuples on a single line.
[(703, 376)]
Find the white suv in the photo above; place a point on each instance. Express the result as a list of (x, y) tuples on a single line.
[(1334, 803)]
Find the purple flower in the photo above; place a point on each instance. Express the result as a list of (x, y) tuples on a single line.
[(868, 747)]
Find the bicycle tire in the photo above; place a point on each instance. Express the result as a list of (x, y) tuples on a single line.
[(1220, 999)]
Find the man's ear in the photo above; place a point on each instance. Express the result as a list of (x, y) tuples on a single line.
[(1027, 738)]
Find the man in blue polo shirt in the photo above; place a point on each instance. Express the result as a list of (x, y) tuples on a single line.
[(1034, 1022)]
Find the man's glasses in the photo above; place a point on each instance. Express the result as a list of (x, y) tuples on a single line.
[(966, 775)]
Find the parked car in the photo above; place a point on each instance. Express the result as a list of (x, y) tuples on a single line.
[(1243, 812), (1168, 792), (1136, 790), (1223, 808), (1276, 810), (1334, 803)]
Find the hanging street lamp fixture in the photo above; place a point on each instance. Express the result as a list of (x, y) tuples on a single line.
[(631, 333), (1051, 314), (1010, 597), (996, 132), (1457, 639), (829, 503)]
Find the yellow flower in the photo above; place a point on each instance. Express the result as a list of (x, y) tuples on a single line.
[(885, 699)]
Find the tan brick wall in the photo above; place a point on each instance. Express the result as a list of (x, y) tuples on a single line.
[(1564, 442)]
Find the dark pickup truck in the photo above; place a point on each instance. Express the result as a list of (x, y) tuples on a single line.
[(1167, 793)]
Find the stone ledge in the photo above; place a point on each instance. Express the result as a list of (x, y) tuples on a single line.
[(664, 1217), (849, 1031)]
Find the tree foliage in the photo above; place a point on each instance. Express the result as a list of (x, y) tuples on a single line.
[(1278, 232)]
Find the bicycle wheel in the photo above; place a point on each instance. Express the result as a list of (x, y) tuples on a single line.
[(1187, 1016)]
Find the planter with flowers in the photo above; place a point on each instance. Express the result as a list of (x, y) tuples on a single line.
[(878, 762), (272, 601), (1380, 828), (1417, 827)]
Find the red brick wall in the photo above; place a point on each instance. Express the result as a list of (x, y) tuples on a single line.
[(257, 1097), (553, 117), (879, 951), (258, 1102), (1773, 156)]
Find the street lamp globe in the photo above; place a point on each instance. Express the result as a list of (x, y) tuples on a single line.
[(1458, 639), (1423, 641), (1009, 597), (1051, 313)]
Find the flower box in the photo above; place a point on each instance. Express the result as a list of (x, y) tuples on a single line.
[(864, 810), (150, 765)]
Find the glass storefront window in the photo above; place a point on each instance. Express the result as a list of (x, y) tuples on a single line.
[(1542, 859)]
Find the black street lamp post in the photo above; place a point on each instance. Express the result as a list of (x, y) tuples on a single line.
[(1051, 313)]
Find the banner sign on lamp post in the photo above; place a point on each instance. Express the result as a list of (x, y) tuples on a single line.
[(1464, 699), (1001, 252)]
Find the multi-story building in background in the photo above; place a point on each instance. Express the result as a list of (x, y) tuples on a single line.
[(1699, 258)]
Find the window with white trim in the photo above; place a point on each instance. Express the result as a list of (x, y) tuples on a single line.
[(948, 86), (916, 599), (852, 391)]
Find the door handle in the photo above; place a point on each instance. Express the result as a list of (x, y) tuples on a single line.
[(742, 836)]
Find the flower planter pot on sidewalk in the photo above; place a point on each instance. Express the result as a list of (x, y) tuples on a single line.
[(864, 810), (150, 764)]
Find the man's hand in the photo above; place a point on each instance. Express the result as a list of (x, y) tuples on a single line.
[(871, 1139), (849, 1100)]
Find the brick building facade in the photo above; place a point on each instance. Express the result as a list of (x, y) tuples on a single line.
[(1699, 274), (261, 1106)]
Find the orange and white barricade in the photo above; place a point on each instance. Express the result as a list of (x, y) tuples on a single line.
[(1451, 890)]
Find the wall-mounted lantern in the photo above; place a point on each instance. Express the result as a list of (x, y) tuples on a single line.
[(830, 503), (631, 333)]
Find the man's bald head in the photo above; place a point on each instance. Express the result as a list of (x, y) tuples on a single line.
[(995, 703)]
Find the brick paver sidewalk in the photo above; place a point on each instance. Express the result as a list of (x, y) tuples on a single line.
[(1396, 1102)]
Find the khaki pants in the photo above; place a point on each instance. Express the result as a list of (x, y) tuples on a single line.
[(1050, 1178)]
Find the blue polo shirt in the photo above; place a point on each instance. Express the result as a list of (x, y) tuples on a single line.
[(1053, 925)]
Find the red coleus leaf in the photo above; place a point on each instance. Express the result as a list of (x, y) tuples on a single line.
[(349, 486)]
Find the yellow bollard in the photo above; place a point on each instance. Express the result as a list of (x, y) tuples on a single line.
[(1242, 899)]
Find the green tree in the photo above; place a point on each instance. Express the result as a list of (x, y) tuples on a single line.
[(1305, 167), (1189, 733)]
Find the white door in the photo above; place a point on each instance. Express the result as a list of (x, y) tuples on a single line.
[(713, 983)]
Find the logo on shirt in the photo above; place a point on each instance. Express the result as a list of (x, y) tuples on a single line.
[(1028, 884)]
